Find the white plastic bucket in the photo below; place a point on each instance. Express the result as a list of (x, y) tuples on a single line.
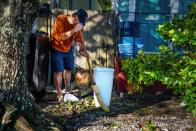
[(104, 82)]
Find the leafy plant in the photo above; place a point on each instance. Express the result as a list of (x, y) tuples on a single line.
[(182, 34), (139, 71)]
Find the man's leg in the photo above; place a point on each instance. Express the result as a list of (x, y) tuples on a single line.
[(67, 78), (68, 67), (58, 82), (58, 67)]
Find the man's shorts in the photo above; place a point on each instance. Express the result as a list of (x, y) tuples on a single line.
[(62, 60)]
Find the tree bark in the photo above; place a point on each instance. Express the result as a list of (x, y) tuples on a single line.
[(16, 17)]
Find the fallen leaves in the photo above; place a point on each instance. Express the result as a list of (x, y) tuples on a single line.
[(135, 113)]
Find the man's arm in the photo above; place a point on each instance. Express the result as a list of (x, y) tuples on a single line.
[(79, 39), (68, 34), (58, 30)]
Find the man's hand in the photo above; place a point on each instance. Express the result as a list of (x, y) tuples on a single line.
[(84, 53), (78, 28), (81, 49), (68, 34)]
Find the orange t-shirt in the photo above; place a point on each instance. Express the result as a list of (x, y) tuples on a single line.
[(61, 25)]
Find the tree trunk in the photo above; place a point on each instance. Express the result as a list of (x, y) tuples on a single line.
[(15, 26), (16, 17)]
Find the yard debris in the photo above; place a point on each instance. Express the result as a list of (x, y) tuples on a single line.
[(70, 97)]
